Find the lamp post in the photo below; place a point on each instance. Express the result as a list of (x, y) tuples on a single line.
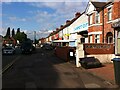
[(35, 38)]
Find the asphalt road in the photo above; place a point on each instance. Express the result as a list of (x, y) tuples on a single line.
[(7, 59), (43, 69)]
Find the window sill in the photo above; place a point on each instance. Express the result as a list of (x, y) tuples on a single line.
[(98, 24), (110, 21)]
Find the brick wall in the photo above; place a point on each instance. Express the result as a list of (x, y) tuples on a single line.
[(63, 53), (98, 49)]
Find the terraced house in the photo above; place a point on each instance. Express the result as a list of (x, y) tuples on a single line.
[(101, 16), (96, 31)]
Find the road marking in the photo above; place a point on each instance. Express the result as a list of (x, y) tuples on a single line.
[(9, 65), (92, 85)]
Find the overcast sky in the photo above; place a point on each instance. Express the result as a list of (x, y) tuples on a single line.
[(41, 17)]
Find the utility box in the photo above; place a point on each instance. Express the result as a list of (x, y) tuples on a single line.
[(116, 62)]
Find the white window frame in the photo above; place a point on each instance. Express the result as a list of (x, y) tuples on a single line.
[(90, 21), (109, 39), (97, 17), (91, 39), (97, 38), (109, 13)]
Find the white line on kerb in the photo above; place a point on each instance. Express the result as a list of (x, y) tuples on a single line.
[(10, 64)]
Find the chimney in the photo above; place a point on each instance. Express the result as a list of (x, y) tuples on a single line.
[(77, 14), (67, 21), (61, 26), (57, 29)]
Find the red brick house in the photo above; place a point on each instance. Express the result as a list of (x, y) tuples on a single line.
[(101, 16), (9, 41), (42, 40)]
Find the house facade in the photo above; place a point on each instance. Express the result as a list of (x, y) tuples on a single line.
[(101, 15), (79, 30), (95, 12)]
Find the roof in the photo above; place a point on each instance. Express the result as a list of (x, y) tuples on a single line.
[(66, 25), (99, 4)]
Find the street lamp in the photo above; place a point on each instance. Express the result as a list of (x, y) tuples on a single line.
[(35, 38)]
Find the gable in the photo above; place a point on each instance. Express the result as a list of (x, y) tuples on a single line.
[(90, 8)]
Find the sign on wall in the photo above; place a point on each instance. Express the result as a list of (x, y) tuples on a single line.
[(81, 24), (81, 27)]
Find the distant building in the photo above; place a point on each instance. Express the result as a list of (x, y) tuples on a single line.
[(9, 41)]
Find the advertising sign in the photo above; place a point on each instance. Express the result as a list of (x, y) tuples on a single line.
[(81, 27)]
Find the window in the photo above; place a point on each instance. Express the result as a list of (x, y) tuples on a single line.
[(97, 17), (97, 38), (110, 39), (109, 14), (90, 21), (90, 38), (82, 40), (118, 43)]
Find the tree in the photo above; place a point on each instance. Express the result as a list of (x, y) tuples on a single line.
[(8, 33), (20, 36), (18, 30), (13, 32)]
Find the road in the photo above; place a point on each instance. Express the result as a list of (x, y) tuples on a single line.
[(43, 69), (7, 59)]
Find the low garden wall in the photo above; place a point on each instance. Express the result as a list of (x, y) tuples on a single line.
[(63, 52), (103, 52)]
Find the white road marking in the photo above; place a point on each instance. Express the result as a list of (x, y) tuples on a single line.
[(10, 64), (92, 85)]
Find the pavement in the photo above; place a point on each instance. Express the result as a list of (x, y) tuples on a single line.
[(105, 72)]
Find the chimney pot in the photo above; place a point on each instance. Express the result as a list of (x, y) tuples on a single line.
[(77, 14)]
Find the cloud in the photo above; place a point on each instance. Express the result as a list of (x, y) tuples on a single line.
[(2, 31), (43, 0), (39, 34), (13, 18), (62, 12)]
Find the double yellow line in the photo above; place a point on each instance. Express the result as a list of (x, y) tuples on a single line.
[(9, 65)]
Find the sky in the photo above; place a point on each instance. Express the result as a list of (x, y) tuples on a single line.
[(33, 15)]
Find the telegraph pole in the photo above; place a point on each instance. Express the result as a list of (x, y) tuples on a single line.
[(35, 38)]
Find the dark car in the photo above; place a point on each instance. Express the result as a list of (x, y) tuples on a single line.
[(47, 47), (27, 46), (8, 50)]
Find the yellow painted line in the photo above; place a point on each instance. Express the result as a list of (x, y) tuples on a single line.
[(9, 65)]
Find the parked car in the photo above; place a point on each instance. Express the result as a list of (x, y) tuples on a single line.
[(8, 50), (27, 47), (47, 47)]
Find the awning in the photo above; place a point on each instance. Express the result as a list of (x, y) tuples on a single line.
[(84, 33)]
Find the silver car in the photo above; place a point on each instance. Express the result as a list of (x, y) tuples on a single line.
[(8, 50)]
